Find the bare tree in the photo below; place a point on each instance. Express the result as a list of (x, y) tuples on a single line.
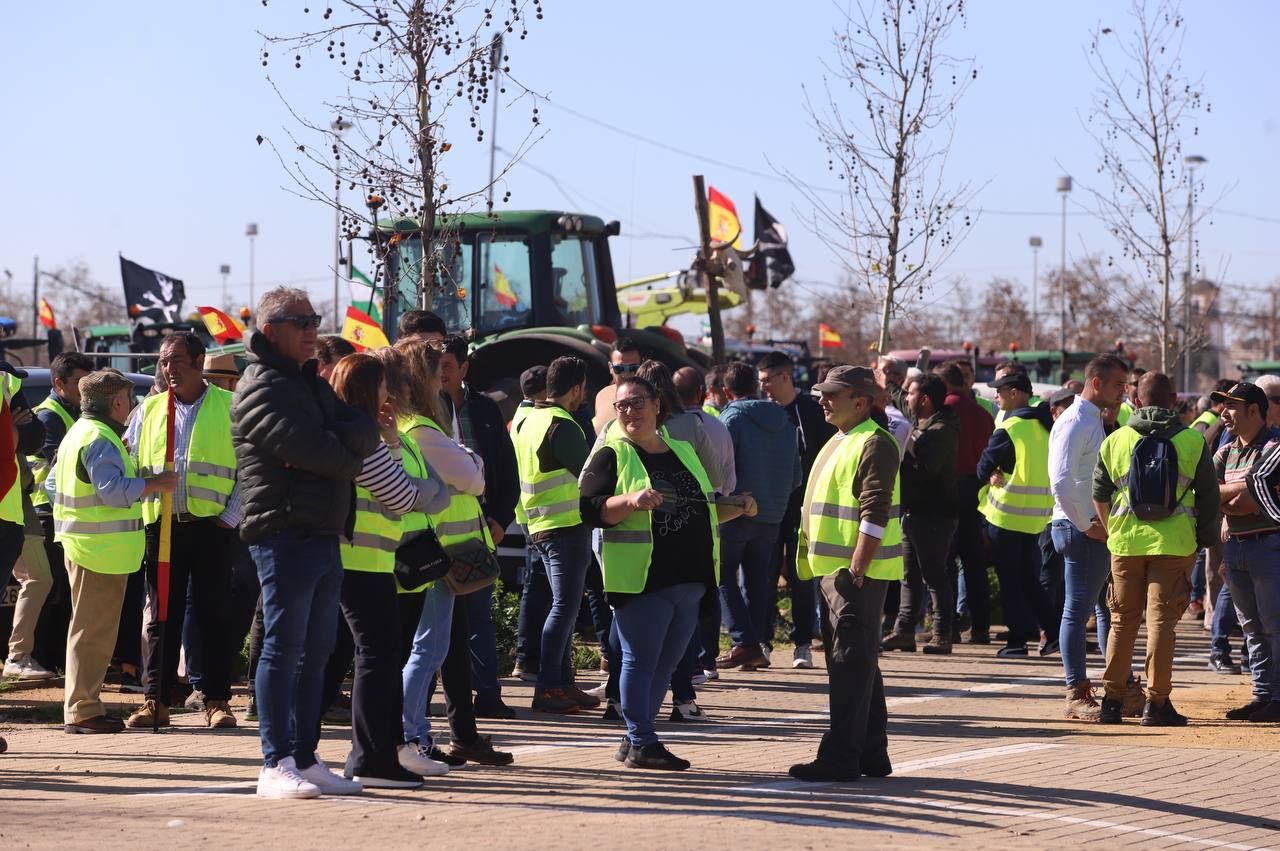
[(885, 118), (419, 74), (1141, 110), (1003, 316)]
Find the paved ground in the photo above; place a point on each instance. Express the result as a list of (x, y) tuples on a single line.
[(980, 759)]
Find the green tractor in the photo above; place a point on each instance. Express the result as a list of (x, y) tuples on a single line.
[(527, 287)]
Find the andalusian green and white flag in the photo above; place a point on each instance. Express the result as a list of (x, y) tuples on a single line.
[(364, 295)]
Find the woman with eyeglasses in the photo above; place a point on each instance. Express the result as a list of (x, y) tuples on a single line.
[(384, 494), (652, 498), (438, 621)]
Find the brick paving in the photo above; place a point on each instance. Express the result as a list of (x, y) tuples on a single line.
[(981, 756)]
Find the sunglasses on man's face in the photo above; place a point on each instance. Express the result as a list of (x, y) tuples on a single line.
[(297, 320), (624, 368)]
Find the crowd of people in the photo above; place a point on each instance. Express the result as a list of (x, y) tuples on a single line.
[(342, 510)]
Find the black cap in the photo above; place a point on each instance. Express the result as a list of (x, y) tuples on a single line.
[(1062, 396), (859, 379), (1244, 392), (533, 382), (1016, 380)]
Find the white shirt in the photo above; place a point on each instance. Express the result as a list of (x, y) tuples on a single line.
[(1073, 455), (899, 427)]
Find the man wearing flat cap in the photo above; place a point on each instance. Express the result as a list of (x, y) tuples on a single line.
[(97, 517), (1018, 506), (850, 527)]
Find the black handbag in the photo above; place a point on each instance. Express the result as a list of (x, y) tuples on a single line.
[(420, 560)]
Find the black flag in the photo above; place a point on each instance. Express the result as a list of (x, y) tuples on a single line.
[(771, 264), (157, 297)]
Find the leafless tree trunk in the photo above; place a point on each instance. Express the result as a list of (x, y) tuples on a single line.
[(418, 73), (886, 119), (1141, 108)]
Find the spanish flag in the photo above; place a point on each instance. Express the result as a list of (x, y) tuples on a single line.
[(222, 326), (502, 289), (47, 319), (361, 331), (722, 218), (828, 337)]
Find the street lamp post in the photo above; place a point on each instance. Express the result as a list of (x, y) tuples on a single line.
[(224, 270), (1064, 189), (1036, 242), (339, 127), (251, 231), (1191, 161)]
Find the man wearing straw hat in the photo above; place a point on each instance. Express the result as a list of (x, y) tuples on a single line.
[(97, 517)]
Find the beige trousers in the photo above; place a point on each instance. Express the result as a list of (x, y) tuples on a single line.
[(1162, 586), (32, 570), (96, 599)]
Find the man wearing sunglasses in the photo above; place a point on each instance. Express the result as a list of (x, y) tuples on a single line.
[(299, 448), (624, 360)]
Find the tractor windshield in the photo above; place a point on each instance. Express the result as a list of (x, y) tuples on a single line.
[(505, 294), (451, 300), (573, 275)]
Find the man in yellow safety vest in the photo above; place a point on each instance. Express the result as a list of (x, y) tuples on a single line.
[(850, 528)]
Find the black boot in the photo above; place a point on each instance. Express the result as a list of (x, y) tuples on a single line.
[(1111, 711), (1161, 715)]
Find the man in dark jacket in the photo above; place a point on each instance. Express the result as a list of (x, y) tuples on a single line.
[(767, 460), (478, 425), (777, 379), (928, 479), (299, 448)]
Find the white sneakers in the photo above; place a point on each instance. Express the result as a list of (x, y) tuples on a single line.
[(416, 759), (689, 711), (598, 691), (327, 782), (27, 669), (285, 782), (802, 657)]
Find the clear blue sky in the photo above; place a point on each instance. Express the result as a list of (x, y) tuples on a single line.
[(130, 127)]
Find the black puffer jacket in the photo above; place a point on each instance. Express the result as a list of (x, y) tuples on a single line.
[(299, 447)]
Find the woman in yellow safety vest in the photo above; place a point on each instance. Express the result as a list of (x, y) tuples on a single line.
[(660, 555), (432, 609), (384, 493)]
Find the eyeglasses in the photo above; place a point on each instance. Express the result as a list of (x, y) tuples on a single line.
[(300, 321), (634, 403), (1275, 400), (624, 368)]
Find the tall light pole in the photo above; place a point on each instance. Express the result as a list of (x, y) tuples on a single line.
[(1064, 189), (1035, 242), (251, 231), (224, 270), (339, 127), (495, 69), (1191, 161)]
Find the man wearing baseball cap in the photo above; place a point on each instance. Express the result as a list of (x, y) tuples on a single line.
[(849, 523), (1252, 542)]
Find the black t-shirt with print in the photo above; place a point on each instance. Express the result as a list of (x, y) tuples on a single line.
[(682, 550)]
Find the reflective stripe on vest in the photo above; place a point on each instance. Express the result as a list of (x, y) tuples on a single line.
[(374, 540), (95, 536), (832, 519), (1127, 535), (627, 549), (40, 467), (211, 459), (1023, 503), (548, 500)]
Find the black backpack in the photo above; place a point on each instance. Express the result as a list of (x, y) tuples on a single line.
[(1153, 478)]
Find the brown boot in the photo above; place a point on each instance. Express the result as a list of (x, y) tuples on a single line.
[(144, 717), (1081, 703), (1135, 698), (217, 714)]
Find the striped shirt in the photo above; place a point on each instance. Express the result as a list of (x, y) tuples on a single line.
[(1233, 463), (385, 478), (1264, 481)]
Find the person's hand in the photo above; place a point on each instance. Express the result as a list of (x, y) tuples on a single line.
[(1097, 530), (997, 479), (645, 500), (496, 531), (163, 482), (749, 507), (387, 425), (22, 416), (222, 524), (1223, 535)]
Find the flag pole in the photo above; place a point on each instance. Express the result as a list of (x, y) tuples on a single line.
[(162, 560)]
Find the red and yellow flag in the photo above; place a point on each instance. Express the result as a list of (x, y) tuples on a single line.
[(502, 289), (222, 327), (361, 331), (47, 319), (828, 337), (722, 218)]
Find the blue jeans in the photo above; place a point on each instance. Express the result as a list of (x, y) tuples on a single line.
[(430, 646), (566, 557), (1086, 566), (748, 543), (1199, 581), (484, 643), (1253, 573), (301, 580), (535, 603), (654, 628), (1224, 621)]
